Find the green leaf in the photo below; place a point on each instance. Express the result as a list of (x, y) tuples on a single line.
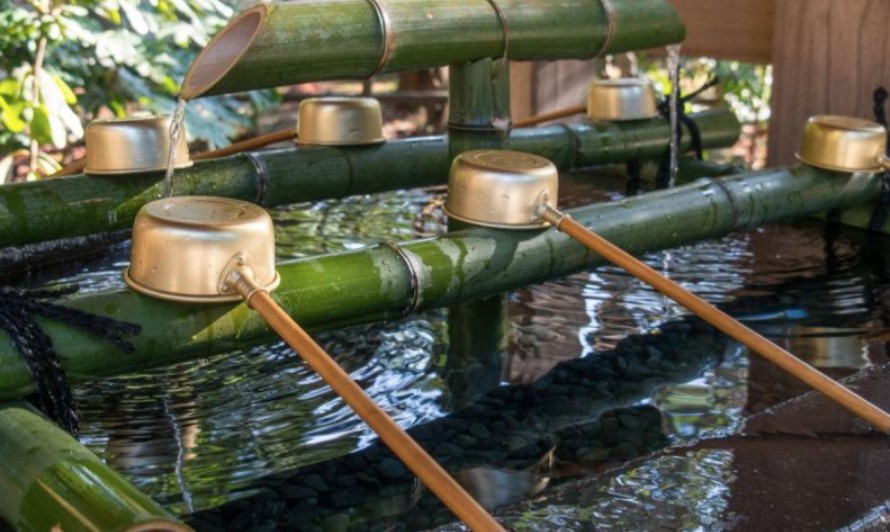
[(41, 128), (57, 131), (47, 164), (10, 87), (67, 93), (12, 115)]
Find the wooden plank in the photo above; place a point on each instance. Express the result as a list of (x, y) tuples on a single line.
[(828, 58), (728, 29), (561, 84), (521, 90)]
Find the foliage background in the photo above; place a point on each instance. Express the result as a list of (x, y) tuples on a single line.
[(63, 64)]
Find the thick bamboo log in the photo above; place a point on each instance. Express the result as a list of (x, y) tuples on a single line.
[(87, 204), (48, 481), (377, 283), (313, 40)]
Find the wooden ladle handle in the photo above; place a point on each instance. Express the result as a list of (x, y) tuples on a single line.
[(402, 445), (722, 321)]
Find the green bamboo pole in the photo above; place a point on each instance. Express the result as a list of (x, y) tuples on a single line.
[(313, 40), (375, 284), (478, 106), (860, 217), (48, 481), (88, 204)]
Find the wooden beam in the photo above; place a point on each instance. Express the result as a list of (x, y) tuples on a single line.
[(521, 90), (828, 58), (741, 30)]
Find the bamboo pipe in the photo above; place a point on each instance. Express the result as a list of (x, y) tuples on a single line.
[(452, 494), (53, 209), (375, 283), (835, 391), (238, 147), (315, 40), (547, 117), (49, 481)]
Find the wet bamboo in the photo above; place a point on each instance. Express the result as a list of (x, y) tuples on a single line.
[(376, 283), (314, 40), (87, 204), (756, 343), (48, 481)]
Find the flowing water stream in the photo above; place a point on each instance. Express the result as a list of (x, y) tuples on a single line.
[(176, 127), (255, 439), (673, 66)]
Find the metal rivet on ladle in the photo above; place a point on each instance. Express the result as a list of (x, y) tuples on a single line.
[(208, 249), (514, 190)]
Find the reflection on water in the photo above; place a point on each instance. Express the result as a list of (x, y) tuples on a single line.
[(670, 493), (201, 433)]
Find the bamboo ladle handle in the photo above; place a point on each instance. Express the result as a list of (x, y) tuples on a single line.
[(722, 321), (250, 144), (547, 117), (402, 445)]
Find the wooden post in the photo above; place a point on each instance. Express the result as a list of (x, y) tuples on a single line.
[(740, 30), (828, 58)]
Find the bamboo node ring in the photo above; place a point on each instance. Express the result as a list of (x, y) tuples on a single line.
[(386, 33), (262, 178), (415, 273)]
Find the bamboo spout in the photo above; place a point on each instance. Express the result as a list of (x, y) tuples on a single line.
[(314, 40)]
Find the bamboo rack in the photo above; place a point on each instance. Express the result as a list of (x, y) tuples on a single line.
[(375, 284), (88, 204), (314, 40)]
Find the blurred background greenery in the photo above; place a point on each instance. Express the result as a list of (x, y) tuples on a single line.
[(63, 64)]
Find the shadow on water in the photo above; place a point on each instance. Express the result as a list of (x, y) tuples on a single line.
[(596, 368)]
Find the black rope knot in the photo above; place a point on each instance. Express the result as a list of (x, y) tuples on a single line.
[(19, 310), (879, 217)]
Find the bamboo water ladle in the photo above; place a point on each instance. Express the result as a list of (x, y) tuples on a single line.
[(207, 249), (514, 190), (610, 100), (321, 121)]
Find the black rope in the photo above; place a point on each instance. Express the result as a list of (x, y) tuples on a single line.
[(634, 179), (879, 217), (664, 109), (18, 312)]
